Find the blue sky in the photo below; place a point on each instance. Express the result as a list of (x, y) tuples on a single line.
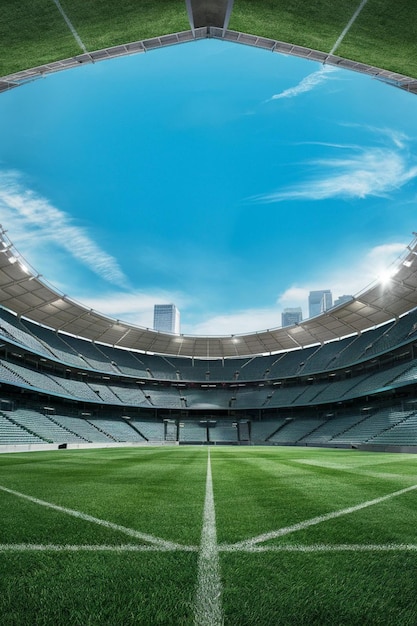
[(223, 178)]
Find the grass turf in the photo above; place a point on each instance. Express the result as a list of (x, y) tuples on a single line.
[(384, 34), (33, 32), (161, 491)]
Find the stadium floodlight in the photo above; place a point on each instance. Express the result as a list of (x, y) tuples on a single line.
[(386, 275)]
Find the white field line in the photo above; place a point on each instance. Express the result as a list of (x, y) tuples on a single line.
[(161, 543), (248, 543), (71, 27), (347, 27), (388, 547), (49, 547), (208, 606)]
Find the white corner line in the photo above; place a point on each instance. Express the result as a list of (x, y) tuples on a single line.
[(71, 26), (208, 605), (347, 27), (161, 543), (248, 543)]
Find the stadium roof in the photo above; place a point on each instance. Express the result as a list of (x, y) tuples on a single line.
[(23, 292), (19, 78)]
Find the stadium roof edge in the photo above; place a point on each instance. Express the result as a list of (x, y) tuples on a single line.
[(19, 78), (24, 293)]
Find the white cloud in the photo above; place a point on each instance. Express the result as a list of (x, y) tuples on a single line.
[(134, 307), (244, 321), (372, 172), (346, 279), (342, 280), (308, 83), (397, 137), (35, 223)]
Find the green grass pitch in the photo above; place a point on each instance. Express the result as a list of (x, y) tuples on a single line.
[(33, 32), (304, 536)]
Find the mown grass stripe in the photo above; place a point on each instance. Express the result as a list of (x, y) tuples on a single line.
[(161, 543), (247, 543), (208, 606)]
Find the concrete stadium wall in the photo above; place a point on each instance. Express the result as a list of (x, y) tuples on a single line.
[(44, 447)]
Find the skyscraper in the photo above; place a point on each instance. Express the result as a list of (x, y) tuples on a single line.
[(291, 316), (166, 318), (319, 301), (342, 300)]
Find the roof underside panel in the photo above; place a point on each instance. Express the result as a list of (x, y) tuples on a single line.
[(23, 292)]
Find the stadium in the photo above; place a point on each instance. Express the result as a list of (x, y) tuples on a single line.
[(258, 478)]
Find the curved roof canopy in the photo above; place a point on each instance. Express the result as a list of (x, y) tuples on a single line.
[(23, 292)]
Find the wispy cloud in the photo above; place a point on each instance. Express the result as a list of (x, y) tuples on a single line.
[(343, 279), (394, 136), (35, 222), (346, 278), (361, 173), (308, 83)]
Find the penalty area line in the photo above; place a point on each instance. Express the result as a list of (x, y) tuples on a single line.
[(248, 543), (160, 543), (208, 605)]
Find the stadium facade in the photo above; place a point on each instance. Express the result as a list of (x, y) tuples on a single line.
[(71, 376), (64, 388)]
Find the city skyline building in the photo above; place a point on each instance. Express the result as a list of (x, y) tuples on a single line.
[(342, 299), (291, 315), (166, 318), (319, 301)]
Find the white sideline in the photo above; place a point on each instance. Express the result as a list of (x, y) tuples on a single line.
[(208, 606), (348, 27), (71, 27), (248, 543), (161, 543)]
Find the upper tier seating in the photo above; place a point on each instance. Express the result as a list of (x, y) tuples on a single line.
[(56, 345), (11, 328), (83, 354)]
